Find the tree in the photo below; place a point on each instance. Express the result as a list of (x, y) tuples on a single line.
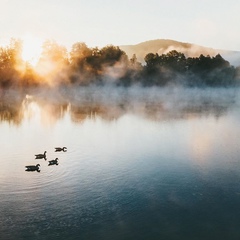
[(151, 59), (78, 54), (174, 60), (53, 63), (54, 52), (10, 60), (112, 54)]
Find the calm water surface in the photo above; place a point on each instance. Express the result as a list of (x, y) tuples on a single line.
[(141, 164)]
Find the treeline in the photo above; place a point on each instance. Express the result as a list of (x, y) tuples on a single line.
[(83, 66), (174, 67)]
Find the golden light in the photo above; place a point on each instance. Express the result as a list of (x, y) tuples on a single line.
[(32, 48)]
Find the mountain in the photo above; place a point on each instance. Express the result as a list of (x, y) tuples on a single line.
[(162, 46)]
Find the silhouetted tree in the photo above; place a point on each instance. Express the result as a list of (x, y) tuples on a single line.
[(151, 60), (210, 71), (112, 54), (53, 63), (10, 59), (53, 52), (78, 55), (84, 65), (204, 70), (92, 65), (175, 61)]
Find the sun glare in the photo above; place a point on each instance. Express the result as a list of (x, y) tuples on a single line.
[(32, 48)]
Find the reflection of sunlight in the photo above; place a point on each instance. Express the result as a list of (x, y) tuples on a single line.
[(31, 109), (201, 147), (204, 137), (45, 113), (202, 141), (32, 48), (49, 115)]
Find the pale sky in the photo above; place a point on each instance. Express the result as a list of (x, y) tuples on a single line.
[(210, 23)]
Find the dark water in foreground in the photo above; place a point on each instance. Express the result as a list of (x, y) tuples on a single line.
[(152, 168)]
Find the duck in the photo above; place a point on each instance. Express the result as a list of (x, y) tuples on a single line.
[(53, 162), (59, 149), (33, 168), (40, 156)]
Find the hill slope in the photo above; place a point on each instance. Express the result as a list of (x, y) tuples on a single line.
[(162, 46)]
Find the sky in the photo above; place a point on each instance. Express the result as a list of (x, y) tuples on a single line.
[(210, 23)]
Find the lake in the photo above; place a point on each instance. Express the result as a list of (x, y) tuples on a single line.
[(141, 163)]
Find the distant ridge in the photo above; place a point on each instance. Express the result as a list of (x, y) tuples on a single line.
[(162, 46)]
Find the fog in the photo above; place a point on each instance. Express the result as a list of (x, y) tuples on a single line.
[(106, 83), (110, 102), (190, 51), (84, 66)]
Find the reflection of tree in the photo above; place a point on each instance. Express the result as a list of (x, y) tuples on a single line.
[(93, 110), (80, 113), (57, 111), (207, 109), (13, 107), (10, 113)]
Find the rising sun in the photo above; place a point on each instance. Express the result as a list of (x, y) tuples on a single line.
[(32, 48)]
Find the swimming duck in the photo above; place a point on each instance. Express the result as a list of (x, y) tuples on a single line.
[(40, 156), (53, 162), (59, 149), (33, 168)]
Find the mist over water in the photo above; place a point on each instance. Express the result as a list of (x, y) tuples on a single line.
[(110, 102), (141, 163), (152, 148)]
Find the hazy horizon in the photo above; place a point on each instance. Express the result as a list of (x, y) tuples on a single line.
[(123, 22)]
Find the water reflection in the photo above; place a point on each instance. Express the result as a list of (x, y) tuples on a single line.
[(11, 106), (140, 164), (112, 103)]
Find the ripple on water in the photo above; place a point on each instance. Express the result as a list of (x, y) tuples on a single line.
[(18, 181)]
